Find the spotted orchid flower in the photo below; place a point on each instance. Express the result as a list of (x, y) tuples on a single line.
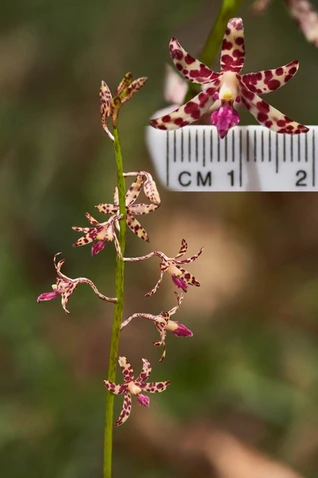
[(134, 386), (99, 234), (163, 324), (227, 88), (143, 179), (109, 105), (65, 287), (180, 277)]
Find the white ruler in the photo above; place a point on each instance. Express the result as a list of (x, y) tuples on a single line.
[(249, 158)]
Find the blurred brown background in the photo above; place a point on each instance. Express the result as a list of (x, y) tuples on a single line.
[(244, 394)]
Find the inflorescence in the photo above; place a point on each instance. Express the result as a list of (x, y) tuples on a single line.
[(220, 94)]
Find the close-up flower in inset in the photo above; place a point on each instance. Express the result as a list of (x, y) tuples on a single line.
[(180, 277), (134, 386), (100, 234), (65, 287), (163, 324), (109, 105), (227, 88), (132, 209)]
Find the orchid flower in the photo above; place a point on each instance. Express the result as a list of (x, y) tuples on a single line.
[(143, 179), (65, 287), (101, 233), (109, 105), (180, 277), (225, 89), (163, 323), (134, 386)]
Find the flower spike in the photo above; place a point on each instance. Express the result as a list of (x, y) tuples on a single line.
[(132, 386), (163, 323), (65, 286), (143, 179), (110, 106), (222, 91), (101, 233), (180, 277)]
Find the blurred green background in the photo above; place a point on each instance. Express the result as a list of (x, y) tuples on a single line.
[(244, 395)]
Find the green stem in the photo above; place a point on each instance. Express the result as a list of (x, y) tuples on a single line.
[(228, 10), (118, 311)]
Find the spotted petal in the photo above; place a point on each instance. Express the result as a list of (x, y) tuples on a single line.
[(183, 249), (191, 259), (188, 278), (133, 191), (192, 69), (135, 226), (270, 80), (126, 81), (132, 89), (150, 189), (115, 389), (85, 230), (91, 219), (141, 208), (233, 46), (126, 369), (269, 116), (87, 239), (186, 114), (105, 107), (107, 208), (145, 372), (155, 387), (125, 411)]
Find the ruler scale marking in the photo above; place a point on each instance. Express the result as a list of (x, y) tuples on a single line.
[(255, 147), (203, 148), (219, 146), (182, 146), (314, 158), (167, 157), (196, 146), (240, 149), (277, 159), (247, 142), (260, 159), (233, 147)]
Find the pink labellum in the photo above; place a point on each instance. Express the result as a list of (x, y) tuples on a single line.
[(143, 400), (179, 282), (182, 331), (48, 295), (225, 118), (97, 247)]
